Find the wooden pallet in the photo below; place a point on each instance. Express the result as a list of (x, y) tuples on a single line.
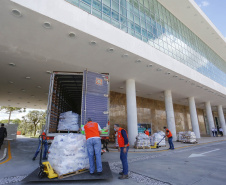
[(72, 173), (142, 147), (189, 142)]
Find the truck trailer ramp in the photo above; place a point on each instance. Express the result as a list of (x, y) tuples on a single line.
[(106, 174)]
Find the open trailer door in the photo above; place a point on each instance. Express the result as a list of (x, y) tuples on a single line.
[(95, 100)]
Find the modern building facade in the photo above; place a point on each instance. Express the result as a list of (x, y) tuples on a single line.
[(167, 61)]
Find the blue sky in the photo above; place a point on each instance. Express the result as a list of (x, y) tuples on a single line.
[(216, 12)]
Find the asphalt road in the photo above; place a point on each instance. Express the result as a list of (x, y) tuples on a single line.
[(156, 168)]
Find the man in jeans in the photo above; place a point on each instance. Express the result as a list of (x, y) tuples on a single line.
[(123, 148), (93, 131), (170, 138)]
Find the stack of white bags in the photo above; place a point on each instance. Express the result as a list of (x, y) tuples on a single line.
[(142, 140), (186, 137), (157, 137), (69, 121), (68, 153)]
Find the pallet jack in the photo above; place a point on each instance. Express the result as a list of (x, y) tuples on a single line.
[(45, 169), (156, 145)]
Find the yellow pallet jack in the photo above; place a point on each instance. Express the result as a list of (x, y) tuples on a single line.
[(156, 145), (45, 169)]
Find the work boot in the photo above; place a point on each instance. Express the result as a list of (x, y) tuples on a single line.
[(33, 158), (123, 177), (99, 173), (120, 173)]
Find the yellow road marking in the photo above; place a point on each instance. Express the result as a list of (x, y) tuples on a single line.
[(9, 154)]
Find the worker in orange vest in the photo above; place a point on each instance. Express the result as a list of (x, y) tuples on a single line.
[(170, 138), (146, 132), (93, 141), (123, 148), (42, 140)]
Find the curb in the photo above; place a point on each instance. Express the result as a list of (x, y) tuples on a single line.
[(4, 155)]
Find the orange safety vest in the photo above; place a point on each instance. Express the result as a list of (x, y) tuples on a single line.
[(121, 142), (170, 134), (91, 130), (146, 132)]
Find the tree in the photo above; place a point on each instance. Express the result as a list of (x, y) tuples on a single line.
[(35, 117), (9, 110)]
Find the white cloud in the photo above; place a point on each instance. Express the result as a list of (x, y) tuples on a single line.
[(204, 4)]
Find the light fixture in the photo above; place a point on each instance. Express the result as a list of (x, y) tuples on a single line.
[(110, 50), (71, 35), (181, 78), (23, 90), (168, 73), (175, 76), (49, 72), (11, 82), (125, 55), (28, 77), (92, 43), (149, 65), (159, 69), (12, 64), (39, 87), (16, 13), (47, 25), (138, 61)]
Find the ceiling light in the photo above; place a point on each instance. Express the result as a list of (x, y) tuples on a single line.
[(93, 43), (149, 65), (39, 87), (121, 87), (16, 13), (47, 25), (11, 82), (159, 69), (28, 77), (168, 73), (49, 72), (23, 90), (125, 55), (71, 35), (110, 50), (181, 78), (175, 76), (12, 64), (138, 61)]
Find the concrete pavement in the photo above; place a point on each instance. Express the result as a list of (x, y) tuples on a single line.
[(158, 167)]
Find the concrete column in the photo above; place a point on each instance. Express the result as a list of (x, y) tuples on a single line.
[(209, 117), (131, 110), (170, 114), (194, 118), (221, 118)]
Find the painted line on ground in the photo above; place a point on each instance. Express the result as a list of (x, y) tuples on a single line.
[(9, 154), (171, 150)]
